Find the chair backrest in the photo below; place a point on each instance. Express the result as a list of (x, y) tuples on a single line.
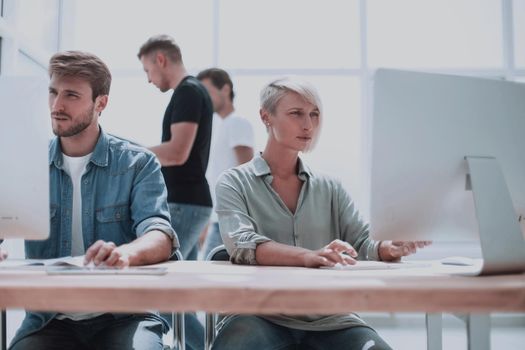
[(218, 253), (177, 255)]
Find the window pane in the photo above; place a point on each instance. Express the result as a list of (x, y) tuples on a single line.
[(135, 110), (289, 34), (115, 30), (518, 8), (1, 55), (37, 22), (26, 66), (339, 150), (435, 33)]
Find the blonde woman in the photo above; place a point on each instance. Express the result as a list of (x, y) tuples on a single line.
[(275, 210)]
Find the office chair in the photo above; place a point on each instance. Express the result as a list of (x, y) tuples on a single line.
[(177, 319), (3, 329), (216, 254)]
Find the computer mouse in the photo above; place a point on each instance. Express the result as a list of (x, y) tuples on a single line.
[(457, 261)]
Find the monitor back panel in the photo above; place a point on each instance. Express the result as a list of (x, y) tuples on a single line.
[(24, 138), (423, 126)]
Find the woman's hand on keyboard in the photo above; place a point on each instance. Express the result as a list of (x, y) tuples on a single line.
[(335, 252)]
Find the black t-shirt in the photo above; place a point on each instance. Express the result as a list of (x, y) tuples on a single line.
[(187, 183)]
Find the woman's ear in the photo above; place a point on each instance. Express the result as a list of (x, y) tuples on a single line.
[(265, 117)]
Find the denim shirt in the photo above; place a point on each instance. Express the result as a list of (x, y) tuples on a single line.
[(123, 197)]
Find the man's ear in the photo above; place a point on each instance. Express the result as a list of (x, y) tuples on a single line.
[(160, 59), (226, 89), (100, 103)]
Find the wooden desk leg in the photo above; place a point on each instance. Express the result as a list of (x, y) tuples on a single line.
[(3, 330), (434, 325), (478, 331)]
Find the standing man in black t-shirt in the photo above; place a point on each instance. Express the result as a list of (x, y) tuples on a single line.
[(186, 136), (185, 147)]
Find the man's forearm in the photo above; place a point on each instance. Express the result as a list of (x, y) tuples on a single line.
[(151, 248), (165, 155)]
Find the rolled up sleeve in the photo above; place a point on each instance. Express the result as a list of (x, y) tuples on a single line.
[(238, 229), (149, 204)]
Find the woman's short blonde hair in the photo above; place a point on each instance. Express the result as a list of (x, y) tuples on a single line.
[(272, 93)]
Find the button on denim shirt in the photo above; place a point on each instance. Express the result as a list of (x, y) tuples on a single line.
[(123, 197)]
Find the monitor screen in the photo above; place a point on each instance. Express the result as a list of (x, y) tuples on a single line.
[(424, 125), (24, 137)]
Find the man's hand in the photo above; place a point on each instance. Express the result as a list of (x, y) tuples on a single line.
[(335, 252), (395, 250), (3, 254), (103, 253)]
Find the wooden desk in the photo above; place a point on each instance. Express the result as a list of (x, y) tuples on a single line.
[(222, 287)]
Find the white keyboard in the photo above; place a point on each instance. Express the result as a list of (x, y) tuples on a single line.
[(375, 265)]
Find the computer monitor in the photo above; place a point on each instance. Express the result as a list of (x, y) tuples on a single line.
[(448, 163), (24, 138)]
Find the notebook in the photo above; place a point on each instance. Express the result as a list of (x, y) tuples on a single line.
[(75, 266), (38, 263)]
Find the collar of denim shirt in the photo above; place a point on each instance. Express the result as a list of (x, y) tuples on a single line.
[(99, 156)]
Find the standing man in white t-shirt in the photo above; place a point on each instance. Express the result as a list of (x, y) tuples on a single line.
[(232, 139)]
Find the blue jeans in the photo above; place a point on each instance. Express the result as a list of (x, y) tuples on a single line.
[(213, 239), (188, 221), (138, 332), (254, 333)]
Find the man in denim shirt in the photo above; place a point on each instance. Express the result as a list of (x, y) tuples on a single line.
[(108, 201)]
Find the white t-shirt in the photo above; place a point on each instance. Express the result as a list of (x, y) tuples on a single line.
[(227, 133), (75, 167)]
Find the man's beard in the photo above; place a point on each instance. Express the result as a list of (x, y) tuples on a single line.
[(81, 125)]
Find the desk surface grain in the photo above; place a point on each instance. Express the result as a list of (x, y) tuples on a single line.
[(222, 287)]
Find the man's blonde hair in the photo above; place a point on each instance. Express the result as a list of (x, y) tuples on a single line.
[(164, 43)]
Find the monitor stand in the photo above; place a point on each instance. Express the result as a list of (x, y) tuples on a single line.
[(501, 239)]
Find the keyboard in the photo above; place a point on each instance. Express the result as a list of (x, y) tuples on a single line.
[(375, 265)]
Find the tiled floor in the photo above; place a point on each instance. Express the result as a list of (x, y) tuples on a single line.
[(454, 338), (407, 332)]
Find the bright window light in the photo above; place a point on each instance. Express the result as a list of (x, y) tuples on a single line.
[(289, 34), (37, 23), (115, 30), (518, 8), (435, 34)]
